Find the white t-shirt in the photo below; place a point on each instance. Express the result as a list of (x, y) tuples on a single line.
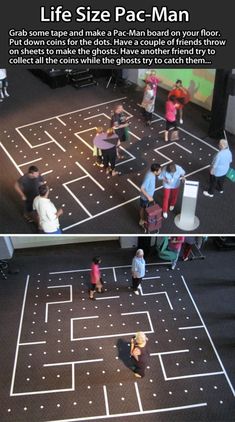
[(46, 210), (3, 74)]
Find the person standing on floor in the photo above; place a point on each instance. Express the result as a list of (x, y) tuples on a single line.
[(138, 270), (139, 354), (47, 213), (120, 123), (97, 153), (3, 84), (107, 143), (27, 186), (171, 176), (170, 115), (148, 103), (182, 97), (219, 168), (95, 277), (175, 245), (189, 241), (147, 189), (154, 80)]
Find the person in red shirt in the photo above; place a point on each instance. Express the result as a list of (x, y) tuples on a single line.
[(175, 244), (95, 277), (182, 97), (170, 115)]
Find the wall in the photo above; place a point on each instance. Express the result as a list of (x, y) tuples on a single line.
[(37, 241), (199, 82), (230, 118)]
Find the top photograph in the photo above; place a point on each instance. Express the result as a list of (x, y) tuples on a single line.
[(107, 151)]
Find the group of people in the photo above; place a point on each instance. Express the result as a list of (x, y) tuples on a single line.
[(38, 208), (35, 194), (171, 176), (107, 143), (138, 344), (178, 97)]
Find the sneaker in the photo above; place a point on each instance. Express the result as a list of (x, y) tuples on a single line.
[(28, 218), (186, 259), (107, 171), (173, 266), (181, 121), (207, 194), (221, 191), (137, 375), (141, 223), (171, 207), (114, 173), (165, 215), (136, 292)]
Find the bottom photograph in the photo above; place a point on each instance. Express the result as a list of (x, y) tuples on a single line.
[(117, 328)]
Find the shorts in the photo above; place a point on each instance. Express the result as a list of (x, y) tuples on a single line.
[(143, 203), (170, 124)]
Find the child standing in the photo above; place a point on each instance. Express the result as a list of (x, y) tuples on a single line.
[(170, 115), (95, 277)]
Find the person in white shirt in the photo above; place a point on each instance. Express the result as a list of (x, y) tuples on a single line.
[(47, 213), (3, 84)]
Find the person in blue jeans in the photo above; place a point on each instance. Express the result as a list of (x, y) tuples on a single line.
[(219, 168), (147, 189)]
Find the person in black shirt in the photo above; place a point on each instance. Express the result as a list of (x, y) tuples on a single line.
[(27, 186), (139, 354), (119, 122)]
